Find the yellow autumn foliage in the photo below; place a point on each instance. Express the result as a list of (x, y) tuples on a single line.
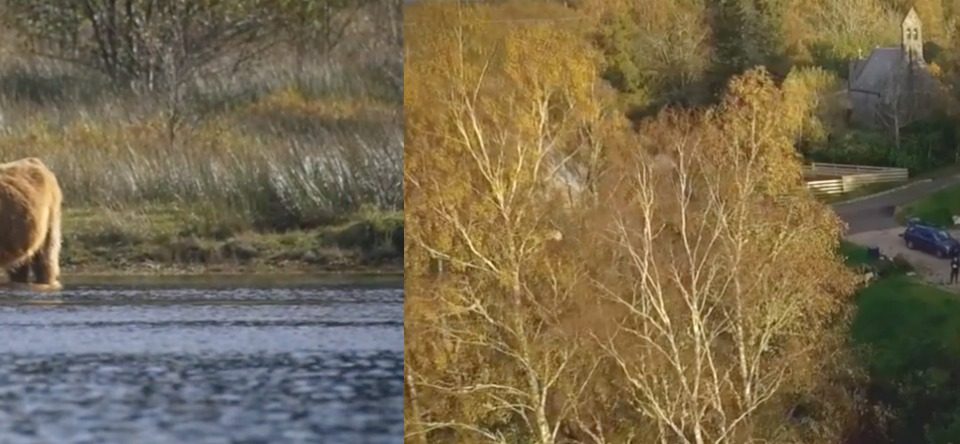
[(494, 115), (531, 210)]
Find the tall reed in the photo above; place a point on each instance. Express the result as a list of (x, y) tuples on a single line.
[(278, 147)]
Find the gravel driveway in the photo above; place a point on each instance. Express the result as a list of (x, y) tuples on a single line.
[(930, 267)]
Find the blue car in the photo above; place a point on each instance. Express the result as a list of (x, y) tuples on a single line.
[(933, 240)]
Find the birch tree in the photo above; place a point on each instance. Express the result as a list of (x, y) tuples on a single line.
[(568, 279), (726, 274), (502, 121)]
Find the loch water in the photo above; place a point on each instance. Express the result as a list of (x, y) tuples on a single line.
[(203, 360)]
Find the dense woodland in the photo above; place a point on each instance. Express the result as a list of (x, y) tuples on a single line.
[(660, 53), (608, 235)]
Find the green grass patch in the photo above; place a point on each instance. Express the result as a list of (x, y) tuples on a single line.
[(907, 323), (937, 208), (908, 334), (854, 254), (170, 236)]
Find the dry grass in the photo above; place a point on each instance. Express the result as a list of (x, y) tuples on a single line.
[(282, 164), (278, 146)]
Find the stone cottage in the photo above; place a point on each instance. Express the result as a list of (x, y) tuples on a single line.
[(892, 87)]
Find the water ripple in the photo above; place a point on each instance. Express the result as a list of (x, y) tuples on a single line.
[(202, 365)]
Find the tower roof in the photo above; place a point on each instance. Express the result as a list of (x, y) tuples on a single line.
[(911, 17)]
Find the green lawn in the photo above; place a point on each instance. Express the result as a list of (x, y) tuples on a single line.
[(907, 323), (907, 334), (936, 208), (854, 254), (909, 337), (902, 318)]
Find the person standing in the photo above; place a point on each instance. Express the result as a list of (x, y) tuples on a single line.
[(954, 268)]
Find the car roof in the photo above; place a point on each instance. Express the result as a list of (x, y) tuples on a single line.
[(939, 230), (928, 228)]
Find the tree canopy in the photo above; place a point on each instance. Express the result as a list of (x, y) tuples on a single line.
[(572, 277)]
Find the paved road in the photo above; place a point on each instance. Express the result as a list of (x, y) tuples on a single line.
[(876, 213)]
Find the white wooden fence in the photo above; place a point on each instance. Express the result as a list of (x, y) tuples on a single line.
[(849, 177)]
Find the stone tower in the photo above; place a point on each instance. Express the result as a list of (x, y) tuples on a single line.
[(911, 40)]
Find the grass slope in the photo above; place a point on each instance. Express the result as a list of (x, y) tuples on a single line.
[(909, 336), (937, 208), (907, 323)]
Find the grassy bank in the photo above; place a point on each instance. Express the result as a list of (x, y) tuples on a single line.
[(937, 208), (275, 165), (168, 239)]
